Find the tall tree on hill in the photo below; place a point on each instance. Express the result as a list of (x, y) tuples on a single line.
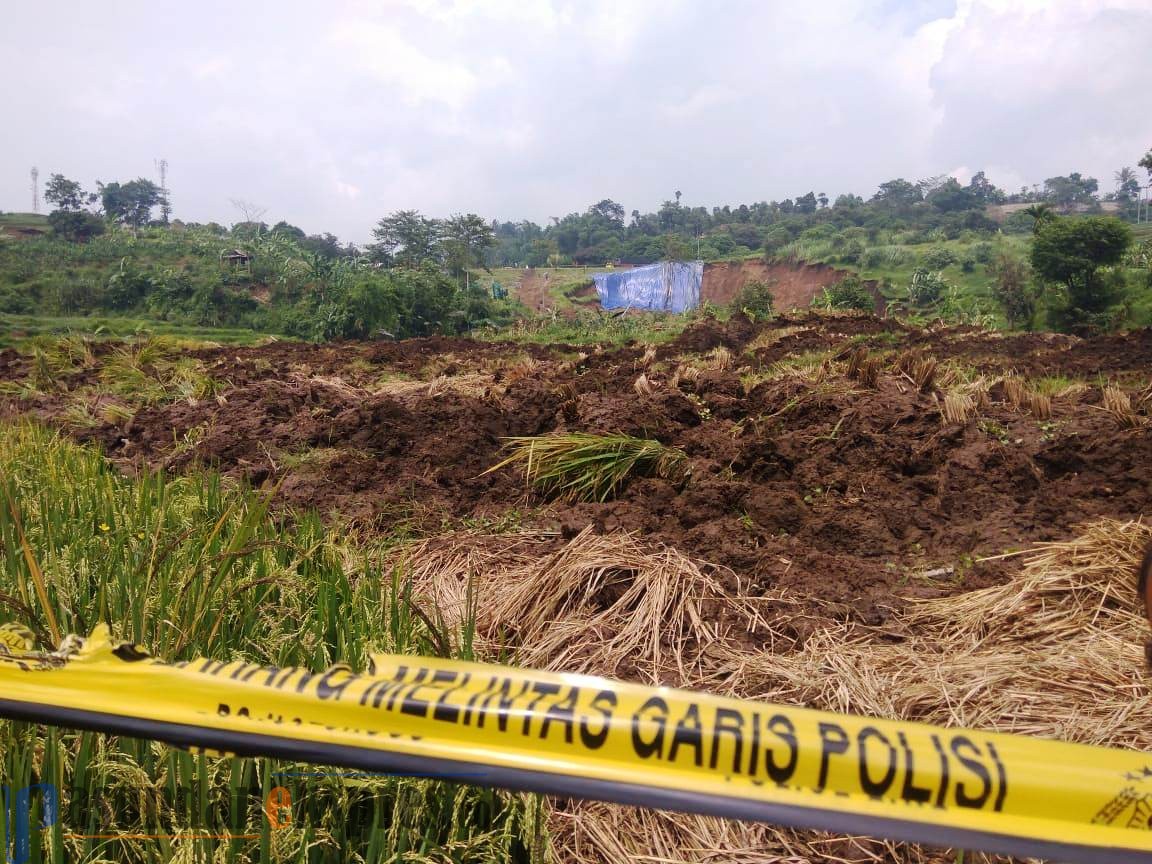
[(898, 193), (1127, 185), (1146, 164), (984, 190), (609, 211), (1073, 189), (1080, 257), (130, 203), (950, 197), (406, 238), (66, 194), (465, 238)]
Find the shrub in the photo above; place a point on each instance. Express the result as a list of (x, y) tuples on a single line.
[(967, 262), (926, 287), (937, 258), (775, 239), (848, 293), (984, 252), (872, 258), (75, 224), (755, 299), (851, 252), (1013, 290)]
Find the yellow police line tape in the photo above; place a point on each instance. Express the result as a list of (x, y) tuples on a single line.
[(585, 737)]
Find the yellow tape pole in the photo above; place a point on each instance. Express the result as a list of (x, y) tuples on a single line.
[(587, 737)]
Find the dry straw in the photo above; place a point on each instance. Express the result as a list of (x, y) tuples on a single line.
[(609, 605), (1054, 652)]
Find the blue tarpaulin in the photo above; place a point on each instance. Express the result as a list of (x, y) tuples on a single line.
[(668, 286)]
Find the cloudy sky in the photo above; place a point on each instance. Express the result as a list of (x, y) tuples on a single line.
[(331, 115)]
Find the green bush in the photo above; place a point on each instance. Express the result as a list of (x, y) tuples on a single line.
[(755, 299), (1013, 290), (776, 238), (851, 252), (1081, 257), (926, 287), (848, 293), (937, 258), (984, 252)]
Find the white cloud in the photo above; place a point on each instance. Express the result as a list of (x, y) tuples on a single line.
[(700, 101), (417, 76), (533, 108), (216, 68)]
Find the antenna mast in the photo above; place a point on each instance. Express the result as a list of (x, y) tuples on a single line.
[(165, 207), (35, 189)]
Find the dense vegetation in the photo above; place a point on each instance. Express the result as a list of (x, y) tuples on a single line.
[(211, 575), (183, 275), (936, 248)]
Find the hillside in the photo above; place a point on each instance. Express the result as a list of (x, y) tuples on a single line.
[(190, 280)]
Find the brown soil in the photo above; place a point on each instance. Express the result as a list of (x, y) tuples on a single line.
[(840, 492), (794, 286)]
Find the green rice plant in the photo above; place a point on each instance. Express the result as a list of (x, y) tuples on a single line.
[(577, 466), (191, 566)]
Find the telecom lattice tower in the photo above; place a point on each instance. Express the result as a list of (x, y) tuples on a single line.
[(165, 207), (35, 189)]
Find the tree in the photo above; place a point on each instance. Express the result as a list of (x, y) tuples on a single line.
[(805, 203), (406, 237), (1040, 213), (983, 190), (288, 230), (465, 238), (251, 212), (1127, 186), (1073, 189), (64, 193), (898, 193), (949, 197), (1078, 256), (1146, 164), (610, 211), (130, 203), (1013, 290)]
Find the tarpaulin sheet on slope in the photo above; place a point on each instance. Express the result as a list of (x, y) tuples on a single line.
[(668, 286)]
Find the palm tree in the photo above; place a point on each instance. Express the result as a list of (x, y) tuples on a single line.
[(1040, 214), (1127, 186)]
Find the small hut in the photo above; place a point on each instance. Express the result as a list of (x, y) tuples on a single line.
[(236, 259)]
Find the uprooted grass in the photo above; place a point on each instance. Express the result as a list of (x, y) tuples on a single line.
[(577, 466)]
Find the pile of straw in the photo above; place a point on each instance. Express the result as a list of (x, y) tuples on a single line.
[(1055, 652)]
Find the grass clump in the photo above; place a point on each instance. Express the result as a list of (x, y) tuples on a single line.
[(577, 466)]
